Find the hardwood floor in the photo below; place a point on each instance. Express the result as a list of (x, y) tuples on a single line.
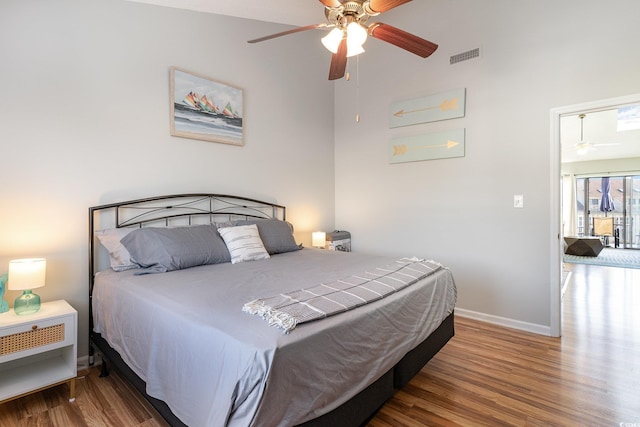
[(485, 376), (107, 402), (490, 376)]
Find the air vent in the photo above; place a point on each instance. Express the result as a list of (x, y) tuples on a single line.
[(465, 56)]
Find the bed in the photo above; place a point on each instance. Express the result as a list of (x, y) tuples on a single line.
[(171, 318)]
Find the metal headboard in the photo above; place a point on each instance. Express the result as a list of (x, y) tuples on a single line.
[(174, 210), (171, 210)]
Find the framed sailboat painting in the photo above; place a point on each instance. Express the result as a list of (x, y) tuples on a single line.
[(202, 108)]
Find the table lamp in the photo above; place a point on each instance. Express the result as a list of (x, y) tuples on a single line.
[(25, 275), (318, 239)]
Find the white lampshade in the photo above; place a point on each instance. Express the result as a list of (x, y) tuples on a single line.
[(356, 34), (332, 40), (28, 273), (318, 239), (354, 50)]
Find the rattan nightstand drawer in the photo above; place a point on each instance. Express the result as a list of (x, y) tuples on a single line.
[(36, 337)]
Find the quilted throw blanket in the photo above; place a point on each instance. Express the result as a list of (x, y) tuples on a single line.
[(288, 310)]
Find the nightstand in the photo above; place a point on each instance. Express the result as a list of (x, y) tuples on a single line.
[(38, 351), (339, 240)]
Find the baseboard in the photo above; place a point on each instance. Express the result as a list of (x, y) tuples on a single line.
[(503, 321)]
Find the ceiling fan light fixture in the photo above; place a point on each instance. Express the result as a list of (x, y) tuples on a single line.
[(582, 149), (332, 40), (354, 50), (356, 34)]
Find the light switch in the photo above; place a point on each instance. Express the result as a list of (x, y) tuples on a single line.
[(518, 201)]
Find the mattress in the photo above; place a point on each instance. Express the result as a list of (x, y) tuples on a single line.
[(185, 334)]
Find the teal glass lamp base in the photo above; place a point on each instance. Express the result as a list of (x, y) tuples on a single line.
[(27, 303)]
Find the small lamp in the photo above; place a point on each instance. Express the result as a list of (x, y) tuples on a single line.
[(24, 275), (318, 239)]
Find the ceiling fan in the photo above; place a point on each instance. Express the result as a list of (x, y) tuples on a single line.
[(583, 147), (349, 22)]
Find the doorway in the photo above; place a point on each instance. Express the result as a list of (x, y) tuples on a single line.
[(556, 244)]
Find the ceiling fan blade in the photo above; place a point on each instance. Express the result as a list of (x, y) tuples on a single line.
[(292, 31), (402, 39), (379, 6), (339, 61), (330, 3)]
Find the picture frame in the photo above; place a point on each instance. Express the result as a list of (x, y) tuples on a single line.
[(205, 109)]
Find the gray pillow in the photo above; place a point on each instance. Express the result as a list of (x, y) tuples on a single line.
[(158, 250), (276, 235)]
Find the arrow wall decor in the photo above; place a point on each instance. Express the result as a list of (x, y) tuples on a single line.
[(442, 106), (440, 145)]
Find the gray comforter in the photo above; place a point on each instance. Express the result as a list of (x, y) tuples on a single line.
[(185, 334)]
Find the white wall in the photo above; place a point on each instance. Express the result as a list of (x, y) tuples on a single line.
[(535, 56), (84, 120)]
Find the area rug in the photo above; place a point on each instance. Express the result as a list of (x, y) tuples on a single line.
[(627, 258)]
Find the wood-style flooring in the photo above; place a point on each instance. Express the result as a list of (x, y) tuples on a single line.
[(485, 376), (492, 376), (104, 402)]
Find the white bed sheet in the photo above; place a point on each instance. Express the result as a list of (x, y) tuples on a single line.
[(184, 333)]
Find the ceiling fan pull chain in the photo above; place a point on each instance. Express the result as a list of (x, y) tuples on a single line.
[(357, 89)]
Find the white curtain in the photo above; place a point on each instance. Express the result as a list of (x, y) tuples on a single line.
[(569, 205)]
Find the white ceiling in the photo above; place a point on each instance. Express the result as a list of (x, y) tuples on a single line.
[(291, 12)]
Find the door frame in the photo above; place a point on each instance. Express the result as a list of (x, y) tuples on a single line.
[(555, 236)]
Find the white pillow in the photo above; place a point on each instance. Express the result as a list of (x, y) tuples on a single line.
[(119, 256), (244, 243)]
